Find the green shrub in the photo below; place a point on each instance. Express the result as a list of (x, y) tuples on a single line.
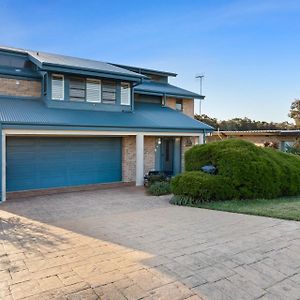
[(245, 171), (160, 188), (156, 178), (199, 185)]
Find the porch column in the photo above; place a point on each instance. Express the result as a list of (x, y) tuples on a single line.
[(3, 166), (139, 170), (201, 139)]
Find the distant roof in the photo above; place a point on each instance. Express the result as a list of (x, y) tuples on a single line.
[(258, 132), (44, 60), (146, 70), (157, 88), (147, 117)]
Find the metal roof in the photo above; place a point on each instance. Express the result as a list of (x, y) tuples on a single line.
[(258, 132), (157, 88), (146, 70), (44, 60), (145, 117), (79, 63)]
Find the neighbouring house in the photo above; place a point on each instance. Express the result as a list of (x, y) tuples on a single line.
[(69, 123), (282, 139)]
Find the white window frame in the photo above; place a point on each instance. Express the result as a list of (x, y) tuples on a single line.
[(63, 87), (128, 100), (100, 90)]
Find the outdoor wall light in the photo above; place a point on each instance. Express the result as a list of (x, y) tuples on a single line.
[(188, 142)]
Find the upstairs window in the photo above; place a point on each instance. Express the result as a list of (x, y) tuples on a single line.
[(125, 93), (93, 90), (77, 89), (57, 87), (108, 92), (179, 105)]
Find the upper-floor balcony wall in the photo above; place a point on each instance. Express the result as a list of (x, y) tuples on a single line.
[(61, 90)]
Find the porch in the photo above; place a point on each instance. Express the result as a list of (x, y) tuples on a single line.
[(54, 161)]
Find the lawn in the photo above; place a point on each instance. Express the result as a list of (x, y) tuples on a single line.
[(282, 208)]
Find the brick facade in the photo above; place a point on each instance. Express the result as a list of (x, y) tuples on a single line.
[(20, 87), (188, 106), (129, 156), (186, 144), (149, 153)]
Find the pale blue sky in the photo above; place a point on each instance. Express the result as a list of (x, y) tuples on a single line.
[(249, 51)]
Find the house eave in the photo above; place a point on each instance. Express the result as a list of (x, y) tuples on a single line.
[(58, 127)]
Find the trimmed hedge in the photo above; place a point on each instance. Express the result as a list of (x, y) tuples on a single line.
[(244, 171)]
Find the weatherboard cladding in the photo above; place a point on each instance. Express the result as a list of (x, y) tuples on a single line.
[(146, 116)]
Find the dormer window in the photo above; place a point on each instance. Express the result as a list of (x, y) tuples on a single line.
[(90, 90), (93, 90), (109, 92), (125, 93), (77, 89), (57, 91)]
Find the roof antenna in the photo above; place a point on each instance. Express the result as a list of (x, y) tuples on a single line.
[(200, 100)]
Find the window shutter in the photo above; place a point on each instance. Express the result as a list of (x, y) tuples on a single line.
[(58, 87), (109, 92), (93, 90), (77, 89), (125, 93)]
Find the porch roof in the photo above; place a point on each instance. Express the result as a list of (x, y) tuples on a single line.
[(161, 89), (145, 117)]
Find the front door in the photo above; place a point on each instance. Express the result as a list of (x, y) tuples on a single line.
[(167, 155)]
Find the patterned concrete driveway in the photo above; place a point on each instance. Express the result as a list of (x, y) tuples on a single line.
[(123, 244)]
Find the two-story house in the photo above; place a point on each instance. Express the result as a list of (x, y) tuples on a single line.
[(72, 123)]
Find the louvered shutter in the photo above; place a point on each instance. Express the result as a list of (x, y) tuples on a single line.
[(109, 92), (93, 90), (125, 93), (58, 87)]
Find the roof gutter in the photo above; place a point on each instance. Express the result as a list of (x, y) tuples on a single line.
[(169, 94)]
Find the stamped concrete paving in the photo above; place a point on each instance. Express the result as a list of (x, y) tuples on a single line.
[(122, 244)]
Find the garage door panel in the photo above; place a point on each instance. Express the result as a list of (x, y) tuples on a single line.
[(37, 163)]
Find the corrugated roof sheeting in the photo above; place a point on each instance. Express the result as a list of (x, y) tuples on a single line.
[(164, 88), (80, 63), (151, 116), (73, 62)]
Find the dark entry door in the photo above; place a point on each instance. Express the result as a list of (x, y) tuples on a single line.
[(167, 154)]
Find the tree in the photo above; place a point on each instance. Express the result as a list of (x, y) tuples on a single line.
[(242, 124), (213, 122), (295, 111)]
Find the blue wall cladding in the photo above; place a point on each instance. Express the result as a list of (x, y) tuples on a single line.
[(39, 163)]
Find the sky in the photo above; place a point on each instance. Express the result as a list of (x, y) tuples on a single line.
[(249, 51)]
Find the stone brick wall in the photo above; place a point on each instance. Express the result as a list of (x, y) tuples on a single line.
[(20, 87), (128, 158), (188, 105), (171, 102), (185, 145), (149, 153)]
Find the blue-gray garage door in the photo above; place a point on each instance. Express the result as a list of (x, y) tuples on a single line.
[(40, 163)]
